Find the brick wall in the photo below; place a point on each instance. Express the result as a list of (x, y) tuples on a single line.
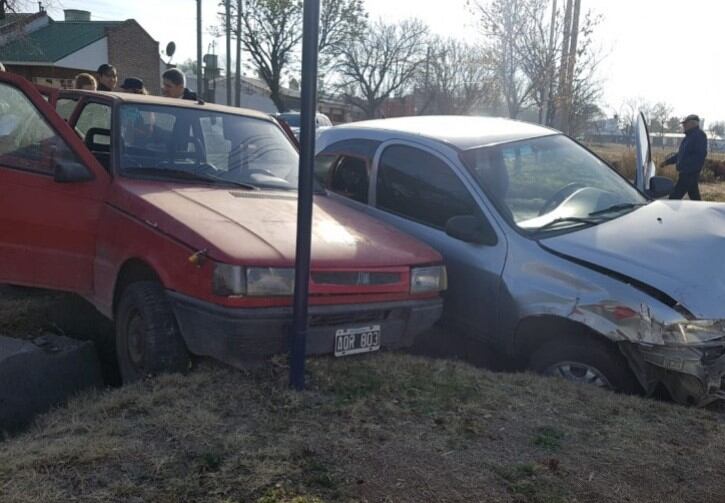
[(135, 54)]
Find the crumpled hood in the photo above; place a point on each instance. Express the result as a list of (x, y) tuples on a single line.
[(259, 227), (677, 247)]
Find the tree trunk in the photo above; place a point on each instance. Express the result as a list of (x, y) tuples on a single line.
[(276, 97)]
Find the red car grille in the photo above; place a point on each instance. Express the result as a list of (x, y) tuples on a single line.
[(356, 278), (329, 320)]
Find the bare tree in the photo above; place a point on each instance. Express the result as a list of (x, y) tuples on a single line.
[(341, 22), (271, 32), (10, 6), (381, 63), (585, 90), (538, 47), (716, 129), (628, 113), (545, 58), (660, 113), (673, 124), (16, 6), (455, 78), (567, 85), (503, 22)]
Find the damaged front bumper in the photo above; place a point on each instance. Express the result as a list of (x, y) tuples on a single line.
[(693, 375)]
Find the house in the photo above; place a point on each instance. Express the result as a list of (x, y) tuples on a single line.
[(256, 96), (50, 52)]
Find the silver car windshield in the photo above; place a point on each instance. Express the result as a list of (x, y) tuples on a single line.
[(203, 145), (551, 183)]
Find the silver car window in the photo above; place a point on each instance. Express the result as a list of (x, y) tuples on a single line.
[(419, 186), (539, 180)]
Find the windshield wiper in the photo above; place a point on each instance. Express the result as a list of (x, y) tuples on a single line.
[(575, 220), (617, 207), (187, 175)]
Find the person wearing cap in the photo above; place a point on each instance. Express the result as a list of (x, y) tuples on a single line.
[(134, 85), (689, 159), (107, 77), (174, 85)]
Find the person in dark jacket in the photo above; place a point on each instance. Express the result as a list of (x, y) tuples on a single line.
[(690, 158), (174, 85), (107, 77)]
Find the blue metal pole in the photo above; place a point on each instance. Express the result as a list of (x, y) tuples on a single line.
[(308, 98)]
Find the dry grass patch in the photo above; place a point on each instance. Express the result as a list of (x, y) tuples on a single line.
[(380, 428)]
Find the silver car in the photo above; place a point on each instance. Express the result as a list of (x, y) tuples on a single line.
[(552, 256)]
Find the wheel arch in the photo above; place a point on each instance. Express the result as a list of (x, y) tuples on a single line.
[(132, 271), (534, 331)]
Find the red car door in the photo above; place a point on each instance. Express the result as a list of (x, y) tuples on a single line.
[(51, 193)]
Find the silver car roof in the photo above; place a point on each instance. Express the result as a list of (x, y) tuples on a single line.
[(461, 132)]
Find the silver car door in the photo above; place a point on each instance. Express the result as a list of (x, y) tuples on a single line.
[(415, 188), (645, 168)]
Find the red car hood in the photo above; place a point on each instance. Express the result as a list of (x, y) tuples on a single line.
[(259, 227)]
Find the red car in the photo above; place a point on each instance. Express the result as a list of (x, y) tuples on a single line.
[(177, 219)]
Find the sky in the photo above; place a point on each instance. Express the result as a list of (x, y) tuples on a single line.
[(655, 50)]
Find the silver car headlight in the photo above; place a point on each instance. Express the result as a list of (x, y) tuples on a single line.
[(694, 333), (428, 279), (234, 280)]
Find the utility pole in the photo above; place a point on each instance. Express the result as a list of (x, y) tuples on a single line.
[(563, 66), (199, 89), (308, 98), (551, 62), (238, 80), (572, 65), (228, 16)]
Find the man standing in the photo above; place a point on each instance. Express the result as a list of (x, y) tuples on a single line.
[(174, 85), (690, 158), (107, 77)]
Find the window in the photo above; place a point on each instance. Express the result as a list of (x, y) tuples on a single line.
[(323, 166), (26, 140), (422, 187), (65, 107), (350, 179), (208, 146), (94, 115), (539, 180)]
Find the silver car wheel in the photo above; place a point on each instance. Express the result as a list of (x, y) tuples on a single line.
[(580, 373)]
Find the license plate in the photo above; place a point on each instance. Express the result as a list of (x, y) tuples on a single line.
[(351, 341)]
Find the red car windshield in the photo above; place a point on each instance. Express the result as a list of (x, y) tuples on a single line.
[(200, 145)]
